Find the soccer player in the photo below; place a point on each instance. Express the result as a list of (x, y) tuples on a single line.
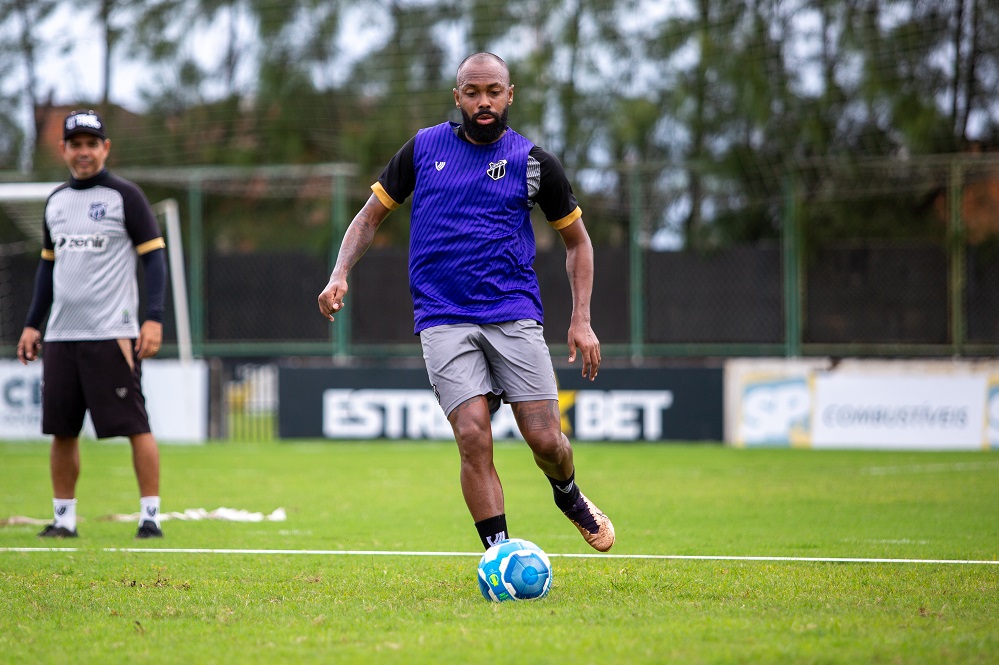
[(95, 226), (475, 294)]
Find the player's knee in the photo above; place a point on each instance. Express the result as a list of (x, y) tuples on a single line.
[(550, 445), (475, 441)]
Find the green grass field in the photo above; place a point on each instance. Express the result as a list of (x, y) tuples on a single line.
[(103, 598)]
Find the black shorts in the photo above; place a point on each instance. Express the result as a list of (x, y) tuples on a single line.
[(94, 375)]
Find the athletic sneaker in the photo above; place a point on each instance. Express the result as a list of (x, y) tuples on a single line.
[(593, 524), (148, 529), (53, 531)]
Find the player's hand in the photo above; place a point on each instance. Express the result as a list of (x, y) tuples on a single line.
[(28, 345), (331, 299), (150, 339), (582, 337)]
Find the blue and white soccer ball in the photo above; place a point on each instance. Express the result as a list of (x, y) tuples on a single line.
[(514, 569)]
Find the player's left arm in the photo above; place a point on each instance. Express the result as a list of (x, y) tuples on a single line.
[(556, 200), (140, 222), (151, 331), (579, 267)]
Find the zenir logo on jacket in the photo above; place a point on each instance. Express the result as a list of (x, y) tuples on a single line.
[(79, 243)]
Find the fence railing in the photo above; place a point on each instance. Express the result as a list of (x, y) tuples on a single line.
[(882, 258)]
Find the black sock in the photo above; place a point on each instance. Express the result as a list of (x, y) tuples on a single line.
[(492, 530), (565, 491)]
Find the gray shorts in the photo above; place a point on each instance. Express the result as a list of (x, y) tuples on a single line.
[(504, 361)]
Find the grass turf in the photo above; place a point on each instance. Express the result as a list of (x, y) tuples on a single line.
[(93, 602)]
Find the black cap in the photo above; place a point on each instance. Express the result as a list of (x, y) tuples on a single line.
[(83, 122)]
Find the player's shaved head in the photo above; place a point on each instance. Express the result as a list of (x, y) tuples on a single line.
[(483, 58), (483, 95)]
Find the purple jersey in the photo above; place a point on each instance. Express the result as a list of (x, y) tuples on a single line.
[(472, 245)]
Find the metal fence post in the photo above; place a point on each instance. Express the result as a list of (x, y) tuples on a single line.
[(791, 255), (196, 272), (339, 330), (957, 258), (636, 262)]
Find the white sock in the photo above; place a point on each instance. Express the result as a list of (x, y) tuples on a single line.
[(65, 513), (149, 509)]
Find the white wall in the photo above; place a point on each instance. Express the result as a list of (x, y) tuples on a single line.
[(176, 399), (878, 404)]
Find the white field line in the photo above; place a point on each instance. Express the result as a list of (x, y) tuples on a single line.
[(929, 468), (661, 557)]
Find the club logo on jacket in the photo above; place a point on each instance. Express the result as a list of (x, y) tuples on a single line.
[(496, 170), (98, 211)]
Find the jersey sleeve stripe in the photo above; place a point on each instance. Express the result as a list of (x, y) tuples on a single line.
[(384, 197), (567, 220), (48, 254), (150, 245)]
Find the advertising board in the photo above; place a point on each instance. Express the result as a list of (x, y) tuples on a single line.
[(903, 405), (176, 400), (621, 405)]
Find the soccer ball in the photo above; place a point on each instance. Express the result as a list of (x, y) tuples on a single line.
[(514, 569)]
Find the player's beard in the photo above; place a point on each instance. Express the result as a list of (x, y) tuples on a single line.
[(484, 133)]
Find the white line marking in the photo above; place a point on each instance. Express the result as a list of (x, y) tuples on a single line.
[(660, 557), (929, 468)]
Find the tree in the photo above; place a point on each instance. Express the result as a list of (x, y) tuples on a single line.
[(720, 101), (24, 51), (975, 74), (165, 34)]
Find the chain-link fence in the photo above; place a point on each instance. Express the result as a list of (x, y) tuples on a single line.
[(898, 257), (879, 258)]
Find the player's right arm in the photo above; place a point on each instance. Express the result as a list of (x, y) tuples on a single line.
[(41, 301), (29, 344), (394, 186), (355, 243)]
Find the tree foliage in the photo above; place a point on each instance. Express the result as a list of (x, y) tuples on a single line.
[(720, 102)]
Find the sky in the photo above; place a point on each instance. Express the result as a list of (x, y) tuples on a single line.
[(74, 72), (75, 75)]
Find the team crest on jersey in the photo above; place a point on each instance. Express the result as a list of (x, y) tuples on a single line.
[(98, 211), (439, 165), (496, 170)]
